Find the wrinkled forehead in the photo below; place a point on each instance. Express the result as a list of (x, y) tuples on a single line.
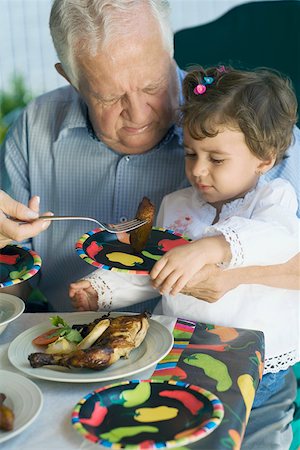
[(119, 33), (125, 64)]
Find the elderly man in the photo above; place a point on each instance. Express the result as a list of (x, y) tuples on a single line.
[(96, 147)]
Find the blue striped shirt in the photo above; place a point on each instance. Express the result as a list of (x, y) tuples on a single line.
[(50, 151), (289, 168)]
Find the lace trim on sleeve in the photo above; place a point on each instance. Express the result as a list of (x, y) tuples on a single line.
[(233, 239), (281, 362), (103, 290)]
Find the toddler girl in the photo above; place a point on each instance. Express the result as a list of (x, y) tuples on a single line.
[(237, 125)]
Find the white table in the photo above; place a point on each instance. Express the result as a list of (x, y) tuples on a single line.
[(52, 429)]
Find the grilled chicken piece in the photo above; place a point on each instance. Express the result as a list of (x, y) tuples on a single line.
[(140, 236), (124, 334)]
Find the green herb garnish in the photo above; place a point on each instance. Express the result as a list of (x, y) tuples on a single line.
[(64, 330)]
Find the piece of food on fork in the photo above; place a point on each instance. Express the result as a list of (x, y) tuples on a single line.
[(140, 236), (123, 334)]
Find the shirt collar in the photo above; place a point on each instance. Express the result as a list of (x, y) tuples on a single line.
[(90, 127), (178, 129), (74, 113)]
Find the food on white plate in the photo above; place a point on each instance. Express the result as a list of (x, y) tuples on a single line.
[(7, 416), (61, 346), (140, 236), (65, 339), (46, 338), (94, 334), (61, 339), (117, 340)]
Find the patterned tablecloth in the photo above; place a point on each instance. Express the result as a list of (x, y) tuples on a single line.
[(226, 361)]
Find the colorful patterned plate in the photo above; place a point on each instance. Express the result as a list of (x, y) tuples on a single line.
[(148, 414), (113, 251), (17, 264)]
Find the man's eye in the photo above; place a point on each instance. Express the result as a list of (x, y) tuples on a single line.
[(111, 102), (152, 90), (108, 102)]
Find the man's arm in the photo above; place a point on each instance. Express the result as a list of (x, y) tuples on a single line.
[(211, 282)]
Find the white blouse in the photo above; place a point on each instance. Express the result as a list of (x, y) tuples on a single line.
[(262, 229)]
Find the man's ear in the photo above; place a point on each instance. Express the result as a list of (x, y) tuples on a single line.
[(266, 165), (61, 71)]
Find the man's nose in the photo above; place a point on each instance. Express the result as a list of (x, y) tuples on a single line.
[(136, 108)]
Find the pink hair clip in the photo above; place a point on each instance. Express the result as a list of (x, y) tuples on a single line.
[(201, 87), (221, 69)]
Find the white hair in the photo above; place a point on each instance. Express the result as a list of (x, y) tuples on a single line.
[(87, 24)]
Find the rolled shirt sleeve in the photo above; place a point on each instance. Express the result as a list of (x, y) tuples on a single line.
[(270, 235)]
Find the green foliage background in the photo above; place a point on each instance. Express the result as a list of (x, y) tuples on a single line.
[(12, 101)]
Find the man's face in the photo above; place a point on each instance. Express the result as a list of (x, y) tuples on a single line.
[(130, 89)]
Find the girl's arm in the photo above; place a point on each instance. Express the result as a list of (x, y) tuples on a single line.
[(267, 234), (176, 267), (270, 233)]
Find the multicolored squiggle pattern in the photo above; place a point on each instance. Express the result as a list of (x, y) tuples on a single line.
[(113, 252), (225, 360), (148, 414), (17, 264)]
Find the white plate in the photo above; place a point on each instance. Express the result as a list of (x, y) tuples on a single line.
[(23, 397), (156, 345), (11, 307)]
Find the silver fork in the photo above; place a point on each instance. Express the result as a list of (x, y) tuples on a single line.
[(111, 228)]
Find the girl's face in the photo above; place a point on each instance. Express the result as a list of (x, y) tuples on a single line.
[(222, 168)]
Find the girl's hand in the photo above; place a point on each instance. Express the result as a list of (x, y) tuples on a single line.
[(178, 266), (172, 272), (83, 296)]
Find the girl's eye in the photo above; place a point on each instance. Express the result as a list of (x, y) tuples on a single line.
[(190, 155), (217, 161)]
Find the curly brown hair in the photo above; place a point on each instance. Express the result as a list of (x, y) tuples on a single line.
[(260, 103)]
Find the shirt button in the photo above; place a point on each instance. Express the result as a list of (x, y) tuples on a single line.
[(127, 158), (123, 219)]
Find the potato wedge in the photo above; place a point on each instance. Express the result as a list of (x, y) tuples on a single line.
[(96, 332), (61, 346)]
